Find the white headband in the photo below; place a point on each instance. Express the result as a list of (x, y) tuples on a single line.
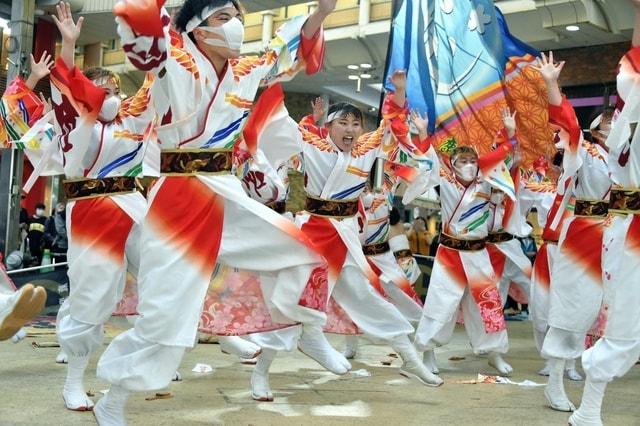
[(202, 16), (336, 114), (596, 122)]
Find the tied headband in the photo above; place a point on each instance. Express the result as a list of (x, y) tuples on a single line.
[(203, 15)]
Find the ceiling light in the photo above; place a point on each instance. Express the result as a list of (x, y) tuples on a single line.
[(354, 77), (365, 76), (572, 28), (366, 66), (353, 67)]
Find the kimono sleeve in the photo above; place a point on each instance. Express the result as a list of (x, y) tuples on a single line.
[(20, 108)]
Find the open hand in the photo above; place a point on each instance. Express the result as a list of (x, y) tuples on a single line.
[(326, 6), (69, 29), (421, 123), (399, 79), (318, 109), (549, 70), (40, 69)]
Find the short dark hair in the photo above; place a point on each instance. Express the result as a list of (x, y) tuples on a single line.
[(463, 150), (349, 109), (96, 73), (606, 111), (40, 206), (394, 216), (191, 8), (422, 219)]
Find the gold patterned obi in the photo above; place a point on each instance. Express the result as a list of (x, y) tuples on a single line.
[(499, 237), (373, 249), (624, 201), (462, 245), (597, 208), (278, 206), (180, 162), (401, 254), (331, 208), (78, 189)]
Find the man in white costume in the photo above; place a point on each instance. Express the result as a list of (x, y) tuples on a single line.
[(618, 350), (202, 93)]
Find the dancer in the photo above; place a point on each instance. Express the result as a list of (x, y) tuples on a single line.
[(618, 350), (576, 278), (199, 195), (103, 143), (462, 272), (377, 248)]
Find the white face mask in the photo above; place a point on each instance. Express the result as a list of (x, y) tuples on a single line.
[(367, 200), (231, 32), (467, 172), (110, 108), (39, 212)]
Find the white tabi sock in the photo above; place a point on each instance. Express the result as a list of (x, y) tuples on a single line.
[(571, 372), (75, 397), (412, 366), (589, 413), (110, 410), (260, 389), (554, 391)]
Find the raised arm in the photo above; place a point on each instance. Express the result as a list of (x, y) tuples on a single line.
[(506, 143), (69, 30), (315, 20)]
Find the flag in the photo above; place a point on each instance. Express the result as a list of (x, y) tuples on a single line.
[(463, 68)]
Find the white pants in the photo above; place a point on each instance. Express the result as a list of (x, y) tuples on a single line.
[(610, 358), (517, 268), (540, 289), (178, 246), (96, 280), (563, 344), (392, 278), (454, 273), (375, 316)]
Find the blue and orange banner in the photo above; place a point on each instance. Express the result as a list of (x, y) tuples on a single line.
[(463, 68)]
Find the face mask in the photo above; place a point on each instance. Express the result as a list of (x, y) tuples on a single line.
[(39, 212), (110, 108), (367, 200), (232, 33), (467, 172), (61, 209)]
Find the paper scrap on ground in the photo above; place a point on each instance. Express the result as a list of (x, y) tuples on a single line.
[(202, 368), (484, 379), (361, 373)]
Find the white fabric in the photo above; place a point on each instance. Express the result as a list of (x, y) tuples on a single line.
[(575, 297), (539, 300), (95, 292), (517, 268), (204, 15), (610, 358), (433, 333), (562, 344), (392, 273), (621, 275), (444, 297), (367, 309)]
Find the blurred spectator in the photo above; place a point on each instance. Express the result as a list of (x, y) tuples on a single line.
[(419, 238), (35, 234), (435, 242), (24, 214), (55, 233)]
